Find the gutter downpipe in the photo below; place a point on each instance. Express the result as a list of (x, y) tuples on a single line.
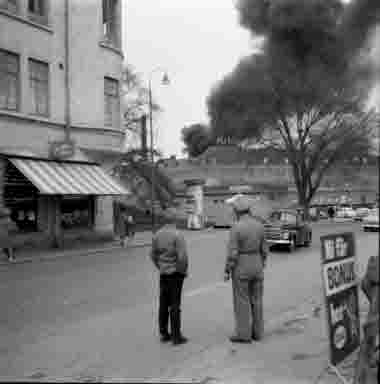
[(67, 73), (56, 229)]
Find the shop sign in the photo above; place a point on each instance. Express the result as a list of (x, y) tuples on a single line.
[(62, 149), (340, 283)]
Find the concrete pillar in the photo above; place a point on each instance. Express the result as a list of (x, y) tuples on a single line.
[(104, 213), (54, 222), (194, 189), (43, 214)]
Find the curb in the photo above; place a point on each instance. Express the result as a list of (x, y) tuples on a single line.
[(69, 253)]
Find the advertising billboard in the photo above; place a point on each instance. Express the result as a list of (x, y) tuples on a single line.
[(340, 285)]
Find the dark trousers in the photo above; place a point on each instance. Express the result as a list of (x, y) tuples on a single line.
[(170, 304)]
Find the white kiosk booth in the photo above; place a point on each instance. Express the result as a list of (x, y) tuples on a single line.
[(194, 191)]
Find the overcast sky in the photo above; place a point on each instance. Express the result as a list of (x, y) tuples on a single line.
[(197, 42)]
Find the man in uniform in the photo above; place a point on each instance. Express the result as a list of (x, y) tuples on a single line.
[(245, 264), (169, 255)]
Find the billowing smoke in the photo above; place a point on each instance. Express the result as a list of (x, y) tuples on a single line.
[(327, 32)]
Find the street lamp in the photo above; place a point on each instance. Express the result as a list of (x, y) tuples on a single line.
[(164, 81)]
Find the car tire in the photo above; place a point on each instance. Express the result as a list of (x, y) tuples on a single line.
[(292, 245)]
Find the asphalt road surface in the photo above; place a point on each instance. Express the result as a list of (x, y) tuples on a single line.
[(95, 316)]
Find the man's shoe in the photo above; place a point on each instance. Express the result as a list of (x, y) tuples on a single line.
[(165, 338), (180, 340), (236, 339)]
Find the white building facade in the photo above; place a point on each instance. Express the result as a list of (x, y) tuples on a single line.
[(60, 116)]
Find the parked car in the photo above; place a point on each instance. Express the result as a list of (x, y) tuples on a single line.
[(360, 213), (345, 213), (371, 221), (288, 227)]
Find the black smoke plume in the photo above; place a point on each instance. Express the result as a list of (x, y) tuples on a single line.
[(320, 32)]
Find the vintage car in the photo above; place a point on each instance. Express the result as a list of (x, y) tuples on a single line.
[(371, 221), (288, 227), (360, 213)]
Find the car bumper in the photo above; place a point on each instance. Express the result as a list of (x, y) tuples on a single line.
[(371, 226), (279, 241)]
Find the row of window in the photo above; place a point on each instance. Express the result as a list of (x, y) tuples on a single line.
[(37, 11), (10, 84), (38, 95)]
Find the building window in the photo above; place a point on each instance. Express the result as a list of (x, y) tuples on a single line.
[(21, 197), (111, 102), (77, 212), (110, 24), (37, 11), (39, 87), (9, 5), (9, 81)]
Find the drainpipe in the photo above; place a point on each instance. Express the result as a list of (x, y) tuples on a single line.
[(67, 73)]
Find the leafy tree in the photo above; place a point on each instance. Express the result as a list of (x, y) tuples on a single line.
[(135, 103), (306, 91), (133, 167), (137, 172), (197, 138)]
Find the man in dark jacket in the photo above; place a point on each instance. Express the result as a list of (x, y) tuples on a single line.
[(169, 255), (246, 259)]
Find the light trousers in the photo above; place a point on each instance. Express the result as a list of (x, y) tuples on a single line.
[(248, 307)]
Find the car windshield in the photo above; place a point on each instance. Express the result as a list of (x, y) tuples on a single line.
[(287, 217)]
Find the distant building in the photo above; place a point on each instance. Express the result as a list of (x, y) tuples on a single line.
[(60, 72), (267, 170)]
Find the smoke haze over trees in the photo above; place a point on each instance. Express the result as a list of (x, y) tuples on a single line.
[(197, 138), (307, 90)]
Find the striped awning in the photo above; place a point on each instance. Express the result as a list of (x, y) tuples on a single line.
[(65, 178)]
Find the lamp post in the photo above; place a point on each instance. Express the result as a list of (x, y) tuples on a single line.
[(165, 81)]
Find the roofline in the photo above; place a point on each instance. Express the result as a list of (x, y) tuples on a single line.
[(15, 156)]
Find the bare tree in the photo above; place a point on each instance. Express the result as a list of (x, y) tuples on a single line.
[(306, 91)]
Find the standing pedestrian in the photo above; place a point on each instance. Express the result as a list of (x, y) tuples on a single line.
[(169, 255), (124, 226), (5, 237), (246, 259), (131, 226)]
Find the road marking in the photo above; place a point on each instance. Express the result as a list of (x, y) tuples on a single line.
[(205, 289)]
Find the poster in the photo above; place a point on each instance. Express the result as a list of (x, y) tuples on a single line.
[(340, 283)]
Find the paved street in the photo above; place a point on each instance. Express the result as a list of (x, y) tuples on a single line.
[(95, 316)]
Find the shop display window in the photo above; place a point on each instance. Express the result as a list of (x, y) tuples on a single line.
[(24, 215), (77, 212)]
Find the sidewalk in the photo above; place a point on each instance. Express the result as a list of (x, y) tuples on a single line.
[(294, 350), (141, 239)]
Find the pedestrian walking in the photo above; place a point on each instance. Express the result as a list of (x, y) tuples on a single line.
[(5, 236), (246, 259), (169, 255)]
